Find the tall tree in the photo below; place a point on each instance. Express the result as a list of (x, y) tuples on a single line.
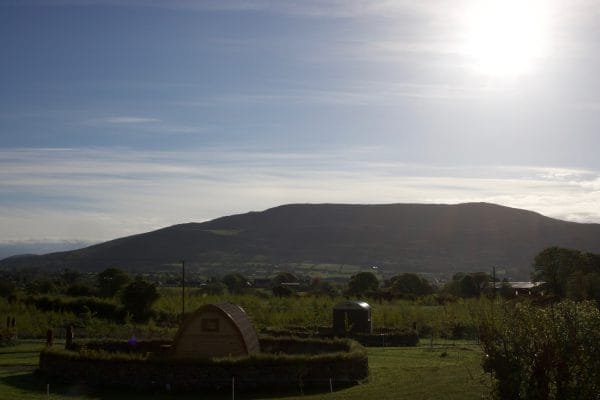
[(555, 265), (138, 297), (410, 284), (471, 284), (111, 280), (236, 283), (362, 283)]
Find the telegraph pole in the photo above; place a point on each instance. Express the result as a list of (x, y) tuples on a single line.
[(494, 278), (182, 289)]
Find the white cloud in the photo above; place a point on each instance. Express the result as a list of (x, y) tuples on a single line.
[(102, 194)]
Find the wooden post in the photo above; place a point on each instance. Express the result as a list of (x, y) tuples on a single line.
[(182, 290)]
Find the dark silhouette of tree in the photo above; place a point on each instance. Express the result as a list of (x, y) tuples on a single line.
[(236, 283), (7, 289), (70, 276), (284, 277), (80, 289), (320, 287), (409, 284), (555, 265), (362, 283), (468, 284), (111, 280), (138, 297), (282, 291)]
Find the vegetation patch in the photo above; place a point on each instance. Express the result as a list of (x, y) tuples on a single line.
[(284, 363), (224, 232), (379, 338)]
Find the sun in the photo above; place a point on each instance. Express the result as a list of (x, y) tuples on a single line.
[(506, 37)]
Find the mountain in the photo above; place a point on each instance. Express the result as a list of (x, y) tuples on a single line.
[(395, 237), (31, 247)]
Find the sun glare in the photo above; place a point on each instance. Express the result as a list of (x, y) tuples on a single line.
[(506, 37)]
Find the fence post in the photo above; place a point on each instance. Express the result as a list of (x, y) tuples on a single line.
[(48, 390), (330, 386), (233, 388)]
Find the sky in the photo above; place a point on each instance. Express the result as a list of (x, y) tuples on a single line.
[(120, 117)]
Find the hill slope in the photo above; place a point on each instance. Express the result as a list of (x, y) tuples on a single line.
[(399, 237)]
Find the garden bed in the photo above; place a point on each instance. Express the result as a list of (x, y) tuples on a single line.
[(284, 363)]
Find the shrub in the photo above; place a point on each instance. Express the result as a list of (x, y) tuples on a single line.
[(287, 363), (138, 297), (80, 305), (541, 353)]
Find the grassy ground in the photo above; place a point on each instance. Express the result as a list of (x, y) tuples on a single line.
[(444, 371)]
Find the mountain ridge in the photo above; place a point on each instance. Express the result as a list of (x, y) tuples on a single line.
[(397, 237)]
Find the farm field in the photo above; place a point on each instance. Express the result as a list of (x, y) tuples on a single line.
[(446, 370)]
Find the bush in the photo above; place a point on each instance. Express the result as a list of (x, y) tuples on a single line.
[(542, 353), (138, 298), (287, 363), (80, 305)]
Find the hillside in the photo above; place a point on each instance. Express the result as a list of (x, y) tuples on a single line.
[(396, 237)]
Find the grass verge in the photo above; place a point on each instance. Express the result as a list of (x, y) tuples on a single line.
[(422, 372)]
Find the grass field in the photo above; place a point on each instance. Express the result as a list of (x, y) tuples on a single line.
[(444, 371)]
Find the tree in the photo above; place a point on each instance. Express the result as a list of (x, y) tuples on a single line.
[(42, 285), (362, 283), (284, 277), (213, 287), (506, 290), (111, 280), (70, 276), (282, 291), (543, 353), (80, 289), (320, 287), (411, 285), (555, 266), (138, 297), (236, 283), (468, 285), (8, 290)]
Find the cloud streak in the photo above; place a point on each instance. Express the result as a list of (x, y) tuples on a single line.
[(102, 194), (129, 120)]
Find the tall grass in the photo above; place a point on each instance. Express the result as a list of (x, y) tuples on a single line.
[(426, 315)]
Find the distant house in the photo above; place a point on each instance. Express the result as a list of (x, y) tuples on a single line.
[(522, 288), (216, 330)]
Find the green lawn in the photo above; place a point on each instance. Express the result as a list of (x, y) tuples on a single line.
[(441, 372)]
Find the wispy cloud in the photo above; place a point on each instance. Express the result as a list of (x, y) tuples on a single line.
[(102, 194), (142, 125), (357, 93), (129, 120), (310, 8)]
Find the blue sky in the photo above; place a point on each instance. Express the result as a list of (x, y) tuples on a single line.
[(118, 117)]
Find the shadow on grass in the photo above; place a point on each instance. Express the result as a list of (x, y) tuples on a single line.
[(30, 381), (33, 382)]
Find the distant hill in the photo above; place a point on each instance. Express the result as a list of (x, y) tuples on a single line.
[(395, 237), (30, 247)]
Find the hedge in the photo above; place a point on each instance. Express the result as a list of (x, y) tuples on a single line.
[(281, 365), (379, 338)]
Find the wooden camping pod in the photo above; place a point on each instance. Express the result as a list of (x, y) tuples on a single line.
[(216, 330)]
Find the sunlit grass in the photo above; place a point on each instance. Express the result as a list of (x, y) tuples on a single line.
[(444, 371)]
